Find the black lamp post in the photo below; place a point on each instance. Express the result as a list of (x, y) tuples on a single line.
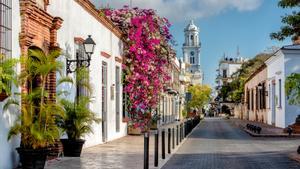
[(82, 60)]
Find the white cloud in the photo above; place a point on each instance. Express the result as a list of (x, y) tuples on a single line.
[(180, 10)]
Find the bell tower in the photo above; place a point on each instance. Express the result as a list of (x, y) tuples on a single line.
[(191, 51)]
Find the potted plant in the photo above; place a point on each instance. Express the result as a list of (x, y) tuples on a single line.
[(36, 121), (78, 118), (7, 75), (154, 119), (133, 130)]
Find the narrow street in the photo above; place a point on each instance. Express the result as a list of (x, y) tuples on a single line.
[(217, 144)]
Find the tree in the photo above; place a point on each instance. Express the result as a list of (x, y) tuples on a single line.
[(291, 22), (292, 88), (147, 54), (201, 95), (36, 122), (234, 90)]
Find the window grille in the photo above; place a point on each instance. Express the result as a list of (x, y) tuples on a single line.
[(6, 27)]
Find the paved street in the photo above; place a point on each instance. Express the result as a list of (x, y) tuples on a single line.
[(218, 144)]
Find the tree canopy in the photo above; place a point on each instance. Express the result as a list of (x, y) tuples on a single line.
[(292, 88), (201, 95), (291, 27)]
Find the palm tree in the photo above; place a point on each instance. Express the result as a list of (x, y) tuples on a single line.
[(78, 118), (36, 121), (7, 75)]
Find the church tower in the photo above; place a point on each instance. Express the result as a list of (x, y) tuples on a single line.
[(191, 52)]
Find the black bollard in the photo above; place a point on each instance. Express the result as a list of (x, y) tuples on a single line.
[(185, 129), (290, 131), (146, 150), (180, 133), (173, 138), (169, 141), (156, 149), (177, 135), (163, 145)]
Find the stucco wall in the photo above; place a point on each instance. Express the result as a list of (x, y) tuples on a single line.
[(259, 77), (275, 72), (79, 23), (232, 68), (9, 157)]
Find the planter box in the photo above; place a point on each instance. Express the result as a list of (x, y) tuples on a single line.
[(3, 96), (154, 126), (134, 131)]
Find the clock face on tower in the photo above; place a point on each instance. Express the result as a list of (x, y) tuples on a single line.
[(192, 53)]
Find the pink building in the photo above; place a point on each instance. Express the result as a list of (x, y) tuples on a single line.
[(255, 96)]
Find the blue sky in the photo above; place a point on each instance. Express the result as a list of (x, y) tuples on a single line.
[(224, 25)]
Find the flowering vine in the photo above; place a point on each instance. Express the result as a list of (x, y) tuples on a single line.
[(147, 55)]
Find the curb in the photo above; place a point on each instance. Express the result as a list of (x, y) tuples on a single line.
[(176, 148), (270, 135)]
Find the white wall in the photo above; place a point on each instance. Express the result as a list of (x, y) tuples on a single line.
[(233, 68), (79, 23), (275, 67), (292, 65), (8, 156), (281, 65)]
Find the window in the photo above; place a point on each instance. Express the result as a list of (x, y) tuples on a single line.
[(5, 27), (125, 105), (263, 97), (256, 99), (224, 73), (118, 99), (269, 96), (192, 40), (252, 100), (279, 86), (104, 88), (248, 99), (192, 60), (104, 101)]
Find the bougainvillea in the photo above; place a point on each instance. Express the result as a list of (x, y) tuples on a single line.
[(147, 54)]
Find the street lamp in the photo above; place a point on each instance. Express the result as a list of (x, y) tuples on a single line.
[(82, 60)]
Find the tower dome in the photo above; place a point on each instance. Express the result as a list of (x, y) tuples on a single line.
[(191, 27)]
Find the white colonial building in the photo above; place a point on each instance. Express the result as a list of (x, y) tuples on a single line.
[(191, 52), (283, 63), (227, 67), (46, 24)]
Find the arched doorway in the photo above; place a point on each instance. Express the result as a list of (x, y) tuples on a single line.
[(225, 109)]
